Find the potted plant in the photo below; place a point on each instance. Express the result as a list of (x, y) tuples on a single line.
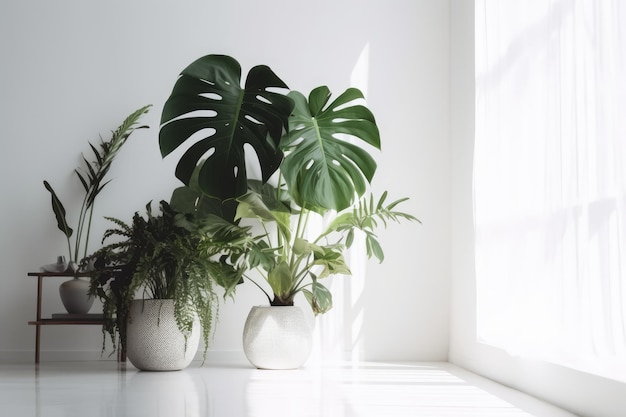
[(92, 176), (314, 160), (171, 261)]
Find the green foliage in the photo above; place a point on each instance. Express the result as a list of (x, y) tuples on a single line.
[(321, 166), (207, 99), (291, 263), (92, 177), (367, 216), (167, 256), (59, 212), (322, 170)]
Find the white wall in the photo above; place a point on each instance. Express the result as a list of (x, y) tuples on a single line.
[(581, 393), (72, 70)]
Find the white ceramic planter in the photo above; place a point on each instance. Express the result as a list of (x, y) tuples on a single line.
[(277, 337), (75, 297), (153, 340)]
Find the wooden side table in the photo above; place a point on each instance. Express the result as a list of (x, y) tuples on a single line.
[(65, 319)]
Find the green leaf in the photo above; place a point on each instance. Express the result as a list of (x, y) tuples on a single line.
[(275, 199), (319, 297), (381, 202), (331, 258), (260, 254), (374, 248), (350, 238), (208, 103), (59, 212), (253, 205), (324, 171), (191, 200), (302, 246), (227, 277), (184, 200), (82, 180), (281, 279), (341, 221)]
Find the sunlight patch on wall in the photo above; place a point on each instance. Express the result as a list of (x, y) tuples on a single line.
[(360, 73), (338, 334)]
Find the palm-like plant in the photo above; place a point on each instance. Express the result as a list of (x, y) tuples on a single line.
[(93, 179), (314, 152), (290, 260)]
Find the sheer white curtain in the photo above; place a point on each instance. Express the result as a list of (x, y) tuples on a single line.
[(550, 179)]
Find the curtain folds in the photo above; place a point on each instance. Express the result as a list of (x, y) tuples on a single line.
[(550, 179)]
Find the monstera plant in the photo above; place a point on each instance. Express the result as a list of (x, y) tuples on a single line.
[(312, 159)]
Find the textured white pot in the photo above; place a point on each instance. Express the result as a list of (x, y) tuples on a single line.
[(277, 337), (153, 340)]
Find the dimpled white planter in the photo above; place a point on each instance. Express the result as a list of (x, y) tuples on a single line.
[(277, 337), (153, 340)]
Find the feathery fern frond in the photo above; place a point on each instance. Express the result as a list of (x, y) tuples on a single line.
[(162, 259)]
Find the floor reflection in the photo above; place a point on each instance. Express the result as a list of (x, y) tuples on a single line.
[(384, 390), (106, 389), (178, 393)]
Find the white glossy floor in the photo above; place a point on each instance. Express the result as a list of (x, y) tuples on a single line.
[(105, 388)]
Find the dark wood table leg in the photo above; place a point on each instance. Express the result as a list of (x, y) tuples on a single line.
[(37, 326)]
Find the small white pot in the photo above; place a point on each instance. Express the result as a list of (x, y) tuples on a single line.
[(153, 340), (75, 295), (277, 337)]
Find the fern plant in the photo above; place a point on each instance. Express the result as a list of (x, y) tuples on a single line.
[(166, 256), (92, 176)]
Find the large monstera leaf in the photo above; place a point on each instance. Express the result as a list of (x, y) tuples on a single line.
[(324, 167), (215, 118)]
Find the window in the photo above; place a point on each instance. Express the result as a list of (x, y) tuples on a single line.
[(550, 180)]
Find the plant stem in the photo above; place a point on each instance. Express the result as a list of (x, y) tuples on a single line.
[(88, 230), (302, 275), (258, 286), (69, 248), (303, 219), (79, 229)]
